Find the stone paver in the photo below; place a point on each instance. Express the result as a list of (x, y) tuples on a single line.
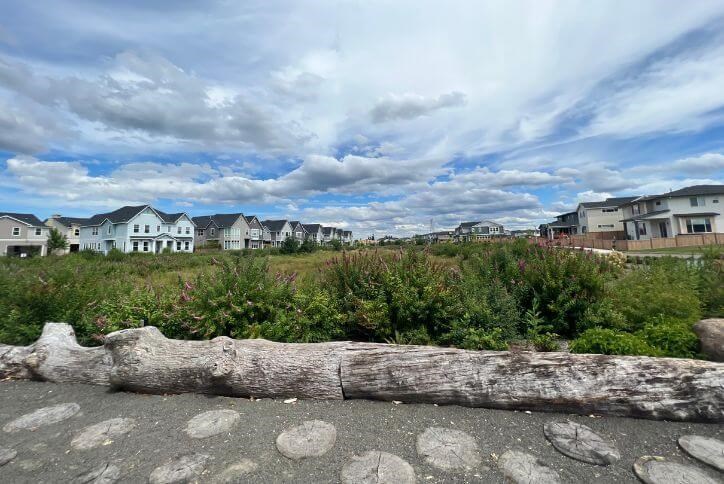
[(212, 423), (102, 433), (311, 439), (657, 470), (706, 449), (448, 449), (580, 442), (43, 416), (247, 452), (523, 468), (6, 455), (185, 468), (375, 467)]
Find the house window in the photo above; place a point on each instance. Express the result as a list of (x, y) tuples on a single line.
[(299, 235), (200, 232), (213, 231), (610, 210), (716, 200), (178, 230), (158, 228), (178, 245), (145, 245), (135, 246), (605, 226), (658, 203), (135, 228), (16, 231), (698, 225), (642, 229), (186, 245), (38, 231), (188, 230), (697, 201), (146, 229), (109, 229), (95, 231), (76, 232)]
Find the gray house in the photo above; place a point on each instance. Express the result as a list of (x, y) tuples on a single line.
[(228, 231), (256, 232), (278, 231), (472, 231), (314, 232), (298, 231), (22, 234)]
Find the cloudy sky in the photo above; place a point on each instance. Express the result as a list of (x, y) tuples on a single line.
[(373, 115)]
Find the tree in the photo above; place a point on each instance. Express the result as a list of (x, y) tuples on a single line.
[(289, 246), (56, 241), (335, 244), (308, 245)]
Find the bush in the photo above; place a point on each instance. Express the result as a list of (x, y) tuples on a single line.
[(671, 338), (289, 246), (611, 342)]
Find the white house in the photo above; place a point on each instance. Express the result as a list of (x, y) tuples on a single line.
[(138, 229), (598, 217), (690, 210)]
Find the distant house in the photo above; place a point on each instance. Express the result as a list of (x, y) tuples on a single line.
[(278, 231), (229, 231), (565, 224), (525, 233), (690, 210), (256, 232), (602, 219), (328, 234), (298, 231), (68, 226), (472, 231), (314, 232), (347, 237), (138, 229), (22, 234)]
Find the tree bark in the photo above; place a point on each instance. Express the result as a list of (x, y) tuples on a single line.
[(630, 386), (143, 360)]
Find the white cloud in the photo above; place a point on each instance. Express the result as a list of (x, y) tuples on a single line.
[(706, 163), (410, 106)]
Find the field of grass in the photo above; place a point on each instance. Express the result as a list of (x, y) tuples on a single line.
[(716, 249)]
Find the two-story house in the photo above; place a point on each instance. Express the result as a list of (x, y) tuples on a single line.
[(256, 232), (471, 231), (68, 226), (22, 234), (564, 225), (690, 210), (228, 231), (602, 219), (314, 232), (298, 231), (347, 237), (138, 229), (328, 234), (279, 230)]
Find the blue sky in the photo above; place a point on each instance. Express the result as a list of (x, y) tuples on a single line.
[(374, 116)]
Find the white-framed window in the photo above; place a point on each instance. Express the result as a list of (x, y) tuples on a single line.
[(110, 227), (698, 225), (178, 230), (178, 245), (186, 245), (299, 235), (158, 228), (38, 231), (95, 231), (76, 232), (135, 228), (16, 231), (611, 210), (255, 232), (146, 229), (696, 201), (605, 226), (135, 246), (188, 230), (145, 245)]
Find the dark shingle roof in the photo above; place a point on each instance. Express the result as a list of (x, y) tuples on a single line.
[(347, 232), (202, 221), (124, 214), (27, 218), (468, 224), (68, 221), (645, 216), (221, 220), (312, 228), (696, 190), (609, 202), (274, 225), (327, 230)]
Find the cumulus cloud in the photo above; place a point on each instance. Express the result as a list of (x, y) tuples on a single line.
[(706, 163), (410, 106)]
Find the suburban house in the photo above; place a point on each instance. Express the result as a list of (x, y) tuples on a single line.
[(329, 234), (138, 229), (602, 219), (22, 234), (70, 227), (690, 210), (565, 224), (314, 232), (471, 231), (278, 231), (347, 237), (298, 231), (524, 233), (227, 231), (256, 232)]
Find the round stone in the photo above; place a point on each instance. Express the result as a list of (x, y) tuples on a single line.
[(581, 443), (311, 439), (523, 468), (6, 455), (375, 467), (212, 423), (103, 474), (236, 472), (102, 433), (43, 416), (448, 449), (706, 449), (657, 470), (186, 468)]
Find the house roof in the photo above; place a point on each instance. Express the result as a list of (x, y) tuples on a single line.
[(27, 218), (221, 220), (274, 225), (297, 224), (312, 228), (694, 190), (468, 224), (646, 216), (250, 218), (124, 214), (699, 214), (558, 224), (347, 232), (327, 230), (609, 202), (68, 221)]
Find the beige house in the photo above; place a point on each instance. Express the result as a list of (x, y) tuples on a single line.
[(70, 227), (22, 235), (602, 219)]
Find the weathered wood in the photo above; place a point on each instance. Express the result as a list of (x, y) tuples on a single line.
[(146, 361), (12, 362), (632, 386)]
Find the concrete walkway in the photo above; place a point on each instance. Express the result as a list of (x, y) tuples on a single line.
[(91, 434)]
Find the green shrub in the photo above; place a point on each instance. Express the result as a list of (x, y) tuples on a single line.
[(671, 338), (611, 342), (290, 245)]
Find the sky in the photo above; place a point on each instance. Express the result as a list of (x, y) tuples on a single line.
[(375, 116)]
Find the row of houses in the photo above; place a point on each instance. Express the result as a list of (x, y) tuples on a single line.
[(147, 229), (471, 232), (691, 210)]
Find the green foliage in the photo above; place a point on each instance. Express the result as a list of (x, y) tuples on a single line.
[(335, 244), (538, 332), (611, 342), (56, 241), (671, 338), (308, 246), (289, 246)]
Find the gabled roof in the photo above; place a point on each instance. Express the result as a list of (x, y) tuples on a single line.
[(221, 220), (645, 216), (465, 225), (694, 190), (609, 202), (69, 221), (124, 214), (26, 218), (312, 228), (274, 225), (250, 218), (296, 224), (202, 221), (327, 230), (347, 232)]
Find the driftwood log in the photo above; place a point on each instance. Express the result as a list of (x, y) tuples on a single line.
[(143, 360)]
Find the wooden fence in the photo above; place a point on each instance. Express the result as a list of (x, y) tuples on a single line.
[(695, 240)]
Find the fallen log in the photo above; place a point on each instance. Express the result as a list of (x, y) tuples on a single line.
[(629, 386), (143, 360)]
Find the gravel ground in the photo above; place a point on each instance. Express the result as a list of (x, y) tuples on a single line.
[(46, 454)]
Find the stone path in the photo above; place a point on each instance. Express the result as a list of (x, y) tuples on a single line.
[(76, 433)]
